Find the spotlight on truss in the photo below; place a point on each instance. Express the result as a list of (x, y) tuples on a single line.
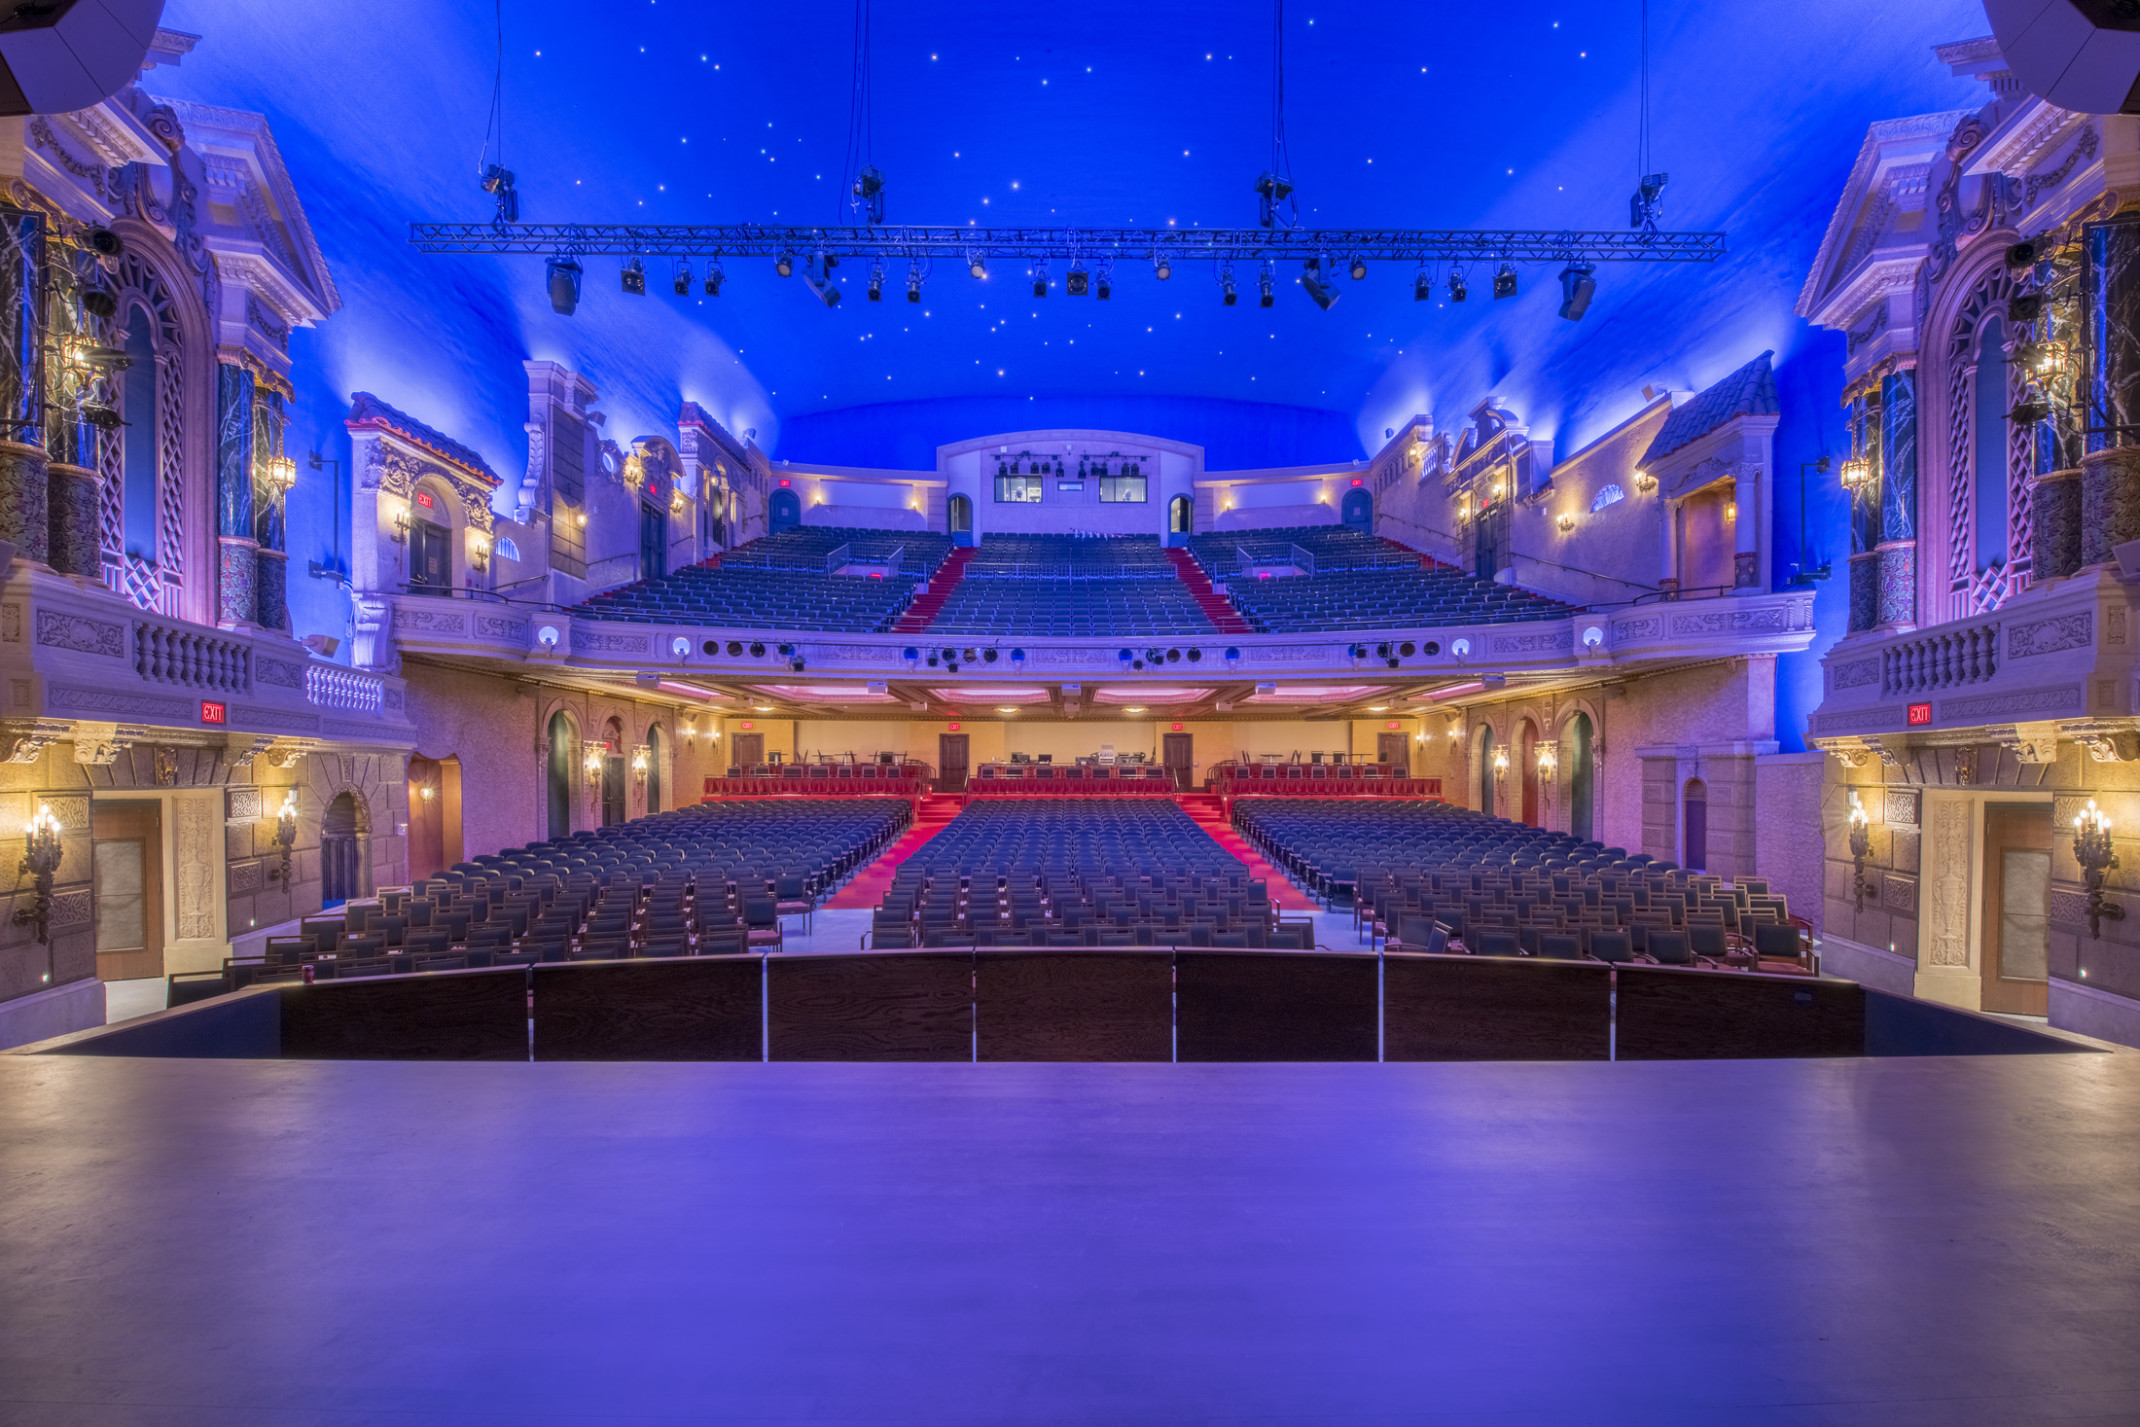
[(914, 283), (785, 265), (869, 187), (876, 282), (1359, 267), (682, 284), (1458, 288), (821, 283), (1264, 297), (1077, 282), (562, 273), (1162, 266), (635, 278), (1271, 190), (1578, 284), (714, 278), (1040, 278), (1311, 282), (978, 265), (1227, 295), (1505, 281), (1644, 208), (1103, 282), (498, 183), (1422, 286)]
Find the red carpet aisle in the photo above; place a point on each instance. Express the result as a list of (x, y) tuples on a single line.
[(1209, 814), (868, 888)]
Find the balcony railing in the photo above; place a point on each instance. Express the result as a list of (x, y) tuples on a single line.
[(1946, 658), (192, 658), (331, 686)]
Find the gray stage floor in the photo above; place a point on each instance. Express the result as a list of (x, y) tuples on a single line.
[(1886, 1242)]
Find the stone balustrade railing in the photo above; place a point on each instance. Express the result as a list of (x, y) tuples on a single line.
[(1946, 658), (334, 686), (192, 657)]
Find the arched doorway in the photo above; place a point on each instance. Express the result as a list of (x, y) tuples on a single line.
[(1358, 511), (613, 809), (430, 542), (564, 746), (959, 515), (1179, 516), (783, 511), (1694, 827), (345, 850), (434, 815), (1576, 758), (1486, 768), (1527, 770), (657, 750)]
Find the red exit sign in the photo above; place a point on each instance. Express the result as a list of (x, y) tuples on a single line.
[(214, 712), (1920, 713)]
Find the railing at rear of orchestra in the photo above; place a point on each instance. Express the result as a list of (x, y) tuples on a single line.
[(821, 780), (1320, 780)]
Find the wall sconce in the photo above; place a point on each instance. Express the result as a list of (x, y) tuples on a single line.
[(479, 551), (689, 731), (596, 756), (1645, 482), (40, 858), (1860, 848), (281, 477), (1566, 523), (676, 502), (2091, 848), (1500, 763), (2048, 360), (1854, 474), (642, 760), (581, 519), (286, 837), (401, 526), (1548, 760)]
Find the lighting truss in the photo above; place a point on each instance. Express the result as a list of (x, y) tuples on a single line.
[(1033, 245)]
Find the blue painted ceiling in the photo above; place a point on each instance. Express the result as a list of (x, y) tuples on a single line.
[(1413, 114)]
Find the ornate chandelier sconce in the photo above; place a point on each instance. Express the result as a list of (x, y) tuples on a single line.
[(642, 761), (2092, 849), (1860, 848), (1500, 765), (285, 838), (1855, 474), (41, 854), (596, 754)]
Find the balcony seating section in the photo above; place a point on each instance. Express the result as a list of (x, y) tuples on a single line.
[(806, 547), (759, 599), (700, 881), (1384, 599), (1335, 548), (1094, 872), (1423, 876), (1070, 586)]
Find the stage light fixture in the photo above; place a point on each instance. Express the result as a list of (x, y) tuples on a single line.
[(1644, 209), (785, 265), (1263, 288), (1103, 282), (1359, 267), (1227, 294), (714, 278), (682, 283), (1422, 286), (821, 283), (1504, 281), (1458, 288), (635, 278), (1271, 190), (498, 182), (1578, 284), (914, 283), (1162, 266), (978, 265), (876, 283), (563, 276), (1040, 278), (1311, 282), (1077, 282), (869, 187)]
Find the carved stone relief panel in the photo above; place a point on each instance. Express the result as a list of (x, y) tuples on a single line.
[(1946, 855), (1901, 808), (194, 835)]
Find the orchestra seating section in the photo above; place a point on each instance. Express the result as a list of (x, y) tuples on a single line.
[(1099, 872), (1384, 599), (759, 599), (1428, 877), (712, 879), (1072, 586)]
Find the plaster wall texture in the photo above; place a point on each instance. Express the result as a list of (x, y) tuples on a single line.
[(1787, 792)]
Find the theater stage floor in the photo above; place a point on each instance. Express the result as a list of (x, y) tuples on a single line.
[(1893, 1242)]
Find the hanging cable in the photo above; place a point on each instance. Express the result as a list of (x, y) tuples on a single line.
[(1645, 208), (1275, 204), (497, 179), (861, 182)]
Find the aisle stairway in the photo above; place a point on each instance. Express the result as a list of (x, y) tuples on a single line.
[(1217, 608), (930, 600), (1208, 812), (870, 884)]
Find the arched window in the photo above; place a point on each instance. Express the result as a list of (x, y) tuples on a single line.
[(564, 766), (1607, 495), (1990, 476), (345, 850), (1694, 827), (507, 550)]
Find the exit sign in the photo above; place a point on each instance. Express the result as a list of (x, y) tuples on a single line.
[(748, 725), (214, 712), (1920, 713), (952, 727)]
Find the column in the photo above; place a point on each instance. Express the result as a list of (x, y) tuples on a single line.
[(2110, 465), (1668, 578), (238, 566), (23, 499), (1898, 499), (1865, 520), (1746, 531), (272, 569), (70, 439)]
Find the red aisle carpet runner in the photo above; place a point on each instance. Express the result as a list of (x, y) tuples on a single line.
[(931, 817), (1205, 810)]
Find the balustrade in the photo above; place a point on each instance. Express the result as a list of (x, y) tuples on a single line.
[(1944, 659), (330, 686), (192, 658)]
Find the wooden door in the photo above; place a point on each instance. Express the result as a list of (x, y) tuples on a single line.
[(126, 878), (747, 750), (430, 564), (951, 762), (1394, 750), (2017, 889), (1694, 854), (613, 809), (1178, 752)]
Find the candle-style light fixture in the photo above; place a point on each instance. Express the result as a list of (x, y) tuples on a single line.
[(596, 755), (2092, 849), (1860, 847), (401, 526), (41, 854), (285, 838), (1548, 759), (1855, 473), (478, 551), (281, 477), (1645, 482), (642, 761), (1500, 762)]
